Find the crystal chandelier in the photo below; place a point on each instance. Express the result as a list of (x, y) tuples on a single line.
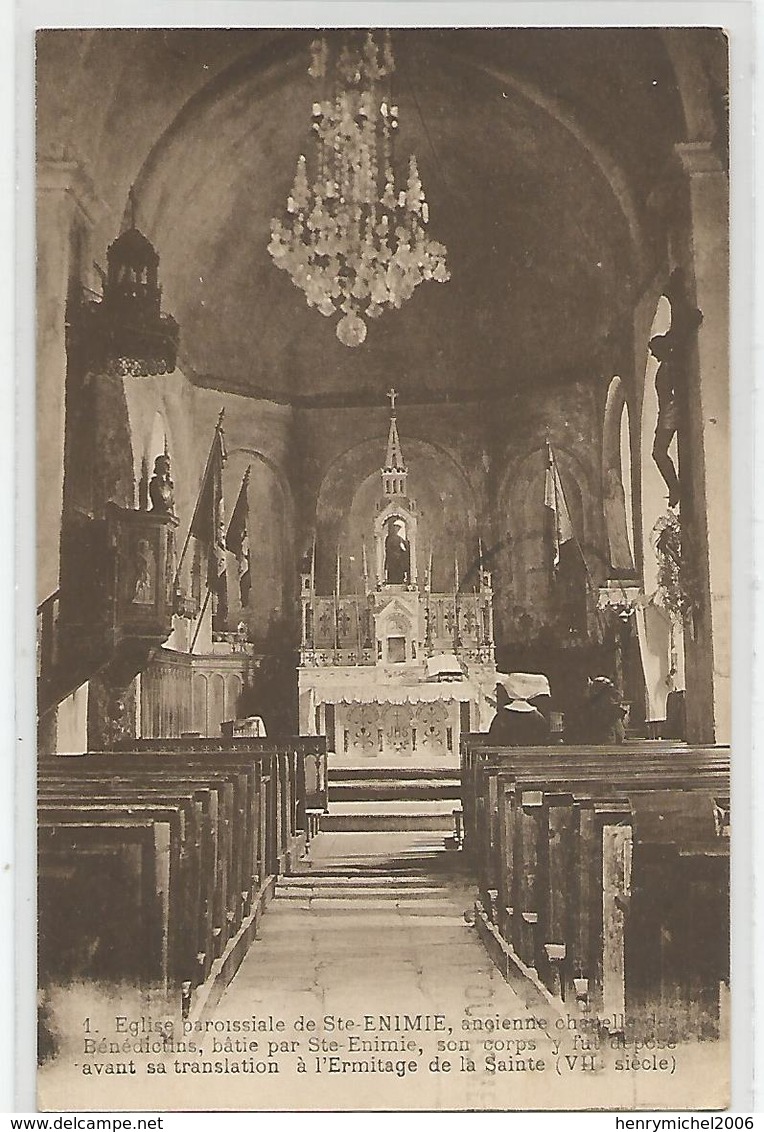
[(353, 238)]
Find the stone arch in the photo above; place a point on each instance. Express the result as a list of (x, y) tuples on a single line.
[(700, 67), (572, 471), (272, 65), (597, 153), (159, 407)]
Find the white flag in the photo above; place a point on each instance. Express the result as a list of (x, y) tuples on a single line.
[(554, 499)]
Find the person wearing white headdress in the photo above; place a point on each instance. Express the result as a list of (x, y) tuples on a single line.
[(517, 722)]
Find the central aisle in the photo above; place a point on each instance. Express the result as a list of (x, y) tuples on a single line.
[(374, 924), (372, 920)]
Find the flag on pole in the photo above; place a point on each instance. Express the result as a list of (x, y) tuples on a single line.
[(208, 523), (237, 539), (554, 499), (337, 603)]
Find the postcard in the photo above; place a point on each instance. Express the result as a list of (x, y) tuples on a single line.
[(383, 568)]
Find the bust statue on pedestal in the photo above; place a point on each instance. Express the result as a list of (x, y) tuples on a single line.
[(161, 488)]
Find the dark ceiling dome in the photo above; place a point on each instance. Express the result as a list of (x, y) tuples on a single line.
[(537, 147)]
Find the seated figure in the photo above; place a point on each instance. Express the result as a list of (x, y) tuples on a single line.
[(601, 716), (517, 722)]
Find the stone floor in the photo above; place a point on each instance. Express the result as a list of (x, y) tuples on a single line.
[(372, 919), (375, 923)]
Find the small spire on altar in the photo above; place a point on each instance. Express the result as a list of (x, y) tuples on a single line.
[(128, 216), (394, 472)]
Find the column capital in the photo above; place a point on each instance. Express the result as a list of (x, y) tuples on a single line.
[(689, 159), (66, 176), (698, 158)]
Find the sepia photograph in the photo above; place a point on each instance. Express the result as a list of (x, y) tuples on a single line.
[(383, 568)]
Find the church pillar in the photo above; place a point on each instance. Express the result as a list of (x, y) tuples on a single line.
[(65, 213), (705, 452)]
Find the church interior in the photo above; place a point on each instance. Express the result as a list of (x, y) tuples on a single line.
[(300, 518)]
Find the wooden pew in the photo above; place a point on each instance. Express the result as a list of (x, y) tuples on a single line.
[(194, 836), (538, 776), (475, 748), (102, 899), (287, 797), (302, 786), (476, 785), (240, 794), (558, 834), (202, 854)]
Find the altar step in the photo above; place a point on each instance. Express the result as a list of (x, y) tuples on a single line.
[(388, 799), (386, 786), (414, 896)]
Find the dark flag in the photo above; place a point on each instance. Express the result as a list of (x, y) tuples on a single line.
[(237, 539), (208, 523)]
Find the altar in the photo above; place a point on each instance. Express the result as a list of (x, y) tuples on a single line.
[(393, 676), (391, 719)]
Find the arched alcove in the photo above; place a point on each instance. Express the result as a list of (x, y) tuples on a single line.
[(617, 493), (216, 703), (233, 694), (199, 715), (395, 545), (529, 597), (443, 524)]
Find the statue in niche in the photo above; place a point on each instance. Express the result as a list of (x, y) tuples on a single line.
[(161, 487), (671, 352), (397, 554), (616, 522)]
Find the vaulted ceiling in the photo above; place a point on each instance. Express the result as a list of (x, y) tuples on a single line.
[(537, 148)]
